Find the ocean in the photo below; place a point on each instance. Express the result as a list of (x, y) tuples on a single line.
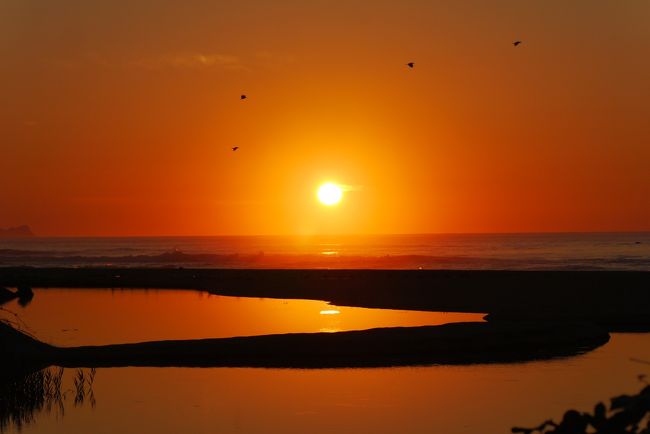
[(562, 251)]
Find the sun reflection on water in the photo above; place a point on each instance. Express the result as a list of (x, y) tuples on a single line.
[(330, 312), (332, 321)]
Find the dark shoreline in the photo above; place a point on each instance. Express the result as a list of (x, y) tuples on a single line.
[(617, 300), (457, 343), (532, 315)]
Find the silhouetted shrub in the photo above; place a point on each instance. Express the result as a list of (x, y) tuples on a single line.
[(627, 414)]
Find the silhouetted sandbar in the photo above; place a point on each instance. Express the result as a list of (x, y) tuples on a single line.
[(618, 300), (457, 343)]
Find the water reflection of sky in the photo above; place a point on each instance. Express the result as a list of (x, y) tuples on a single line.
[(100, 316), (416, 400)]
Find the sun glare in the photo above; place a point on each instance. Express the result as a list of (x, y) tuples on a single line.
[(330, 194)]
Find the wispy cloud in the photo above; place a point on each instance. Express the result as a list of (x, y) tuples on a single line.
[(181, 60), (193, 61)]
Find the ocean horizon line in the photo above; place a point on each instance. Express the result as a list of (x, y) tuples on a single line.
[(388, 234)]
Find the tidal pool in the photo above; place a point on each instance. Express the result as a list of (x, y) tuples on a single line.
[(71, 317)]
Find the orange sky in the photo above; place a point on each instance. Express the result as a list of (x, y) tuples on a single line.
[(117, 118)]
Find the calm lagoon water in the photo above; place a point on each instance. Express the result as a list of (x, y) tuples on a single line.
[(419, 400), (70, 317), (428, 399)]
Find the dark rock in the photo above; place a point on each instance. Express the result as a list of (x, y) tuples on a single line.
[(25, 295)]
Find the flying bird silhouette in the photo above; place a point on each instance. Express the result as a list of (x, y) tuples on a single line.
[(243, 97), (410, 64), (234, 148), (516, 43)]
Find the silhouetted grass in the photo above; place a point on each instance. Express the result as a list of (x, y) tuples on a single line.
[(22, 397)]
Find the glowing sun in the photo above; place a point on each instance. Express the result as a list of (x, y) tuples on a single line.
[(330, 194)]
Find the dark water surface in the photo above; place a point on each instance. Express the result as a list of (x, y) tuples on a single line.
[(573, 251)]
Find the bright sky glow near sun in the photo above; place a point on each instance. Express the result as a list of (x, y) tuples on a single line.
[(118, 118)]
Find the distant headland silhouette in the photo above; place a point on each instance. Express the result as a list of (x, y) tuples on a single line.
[(23, 231)]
